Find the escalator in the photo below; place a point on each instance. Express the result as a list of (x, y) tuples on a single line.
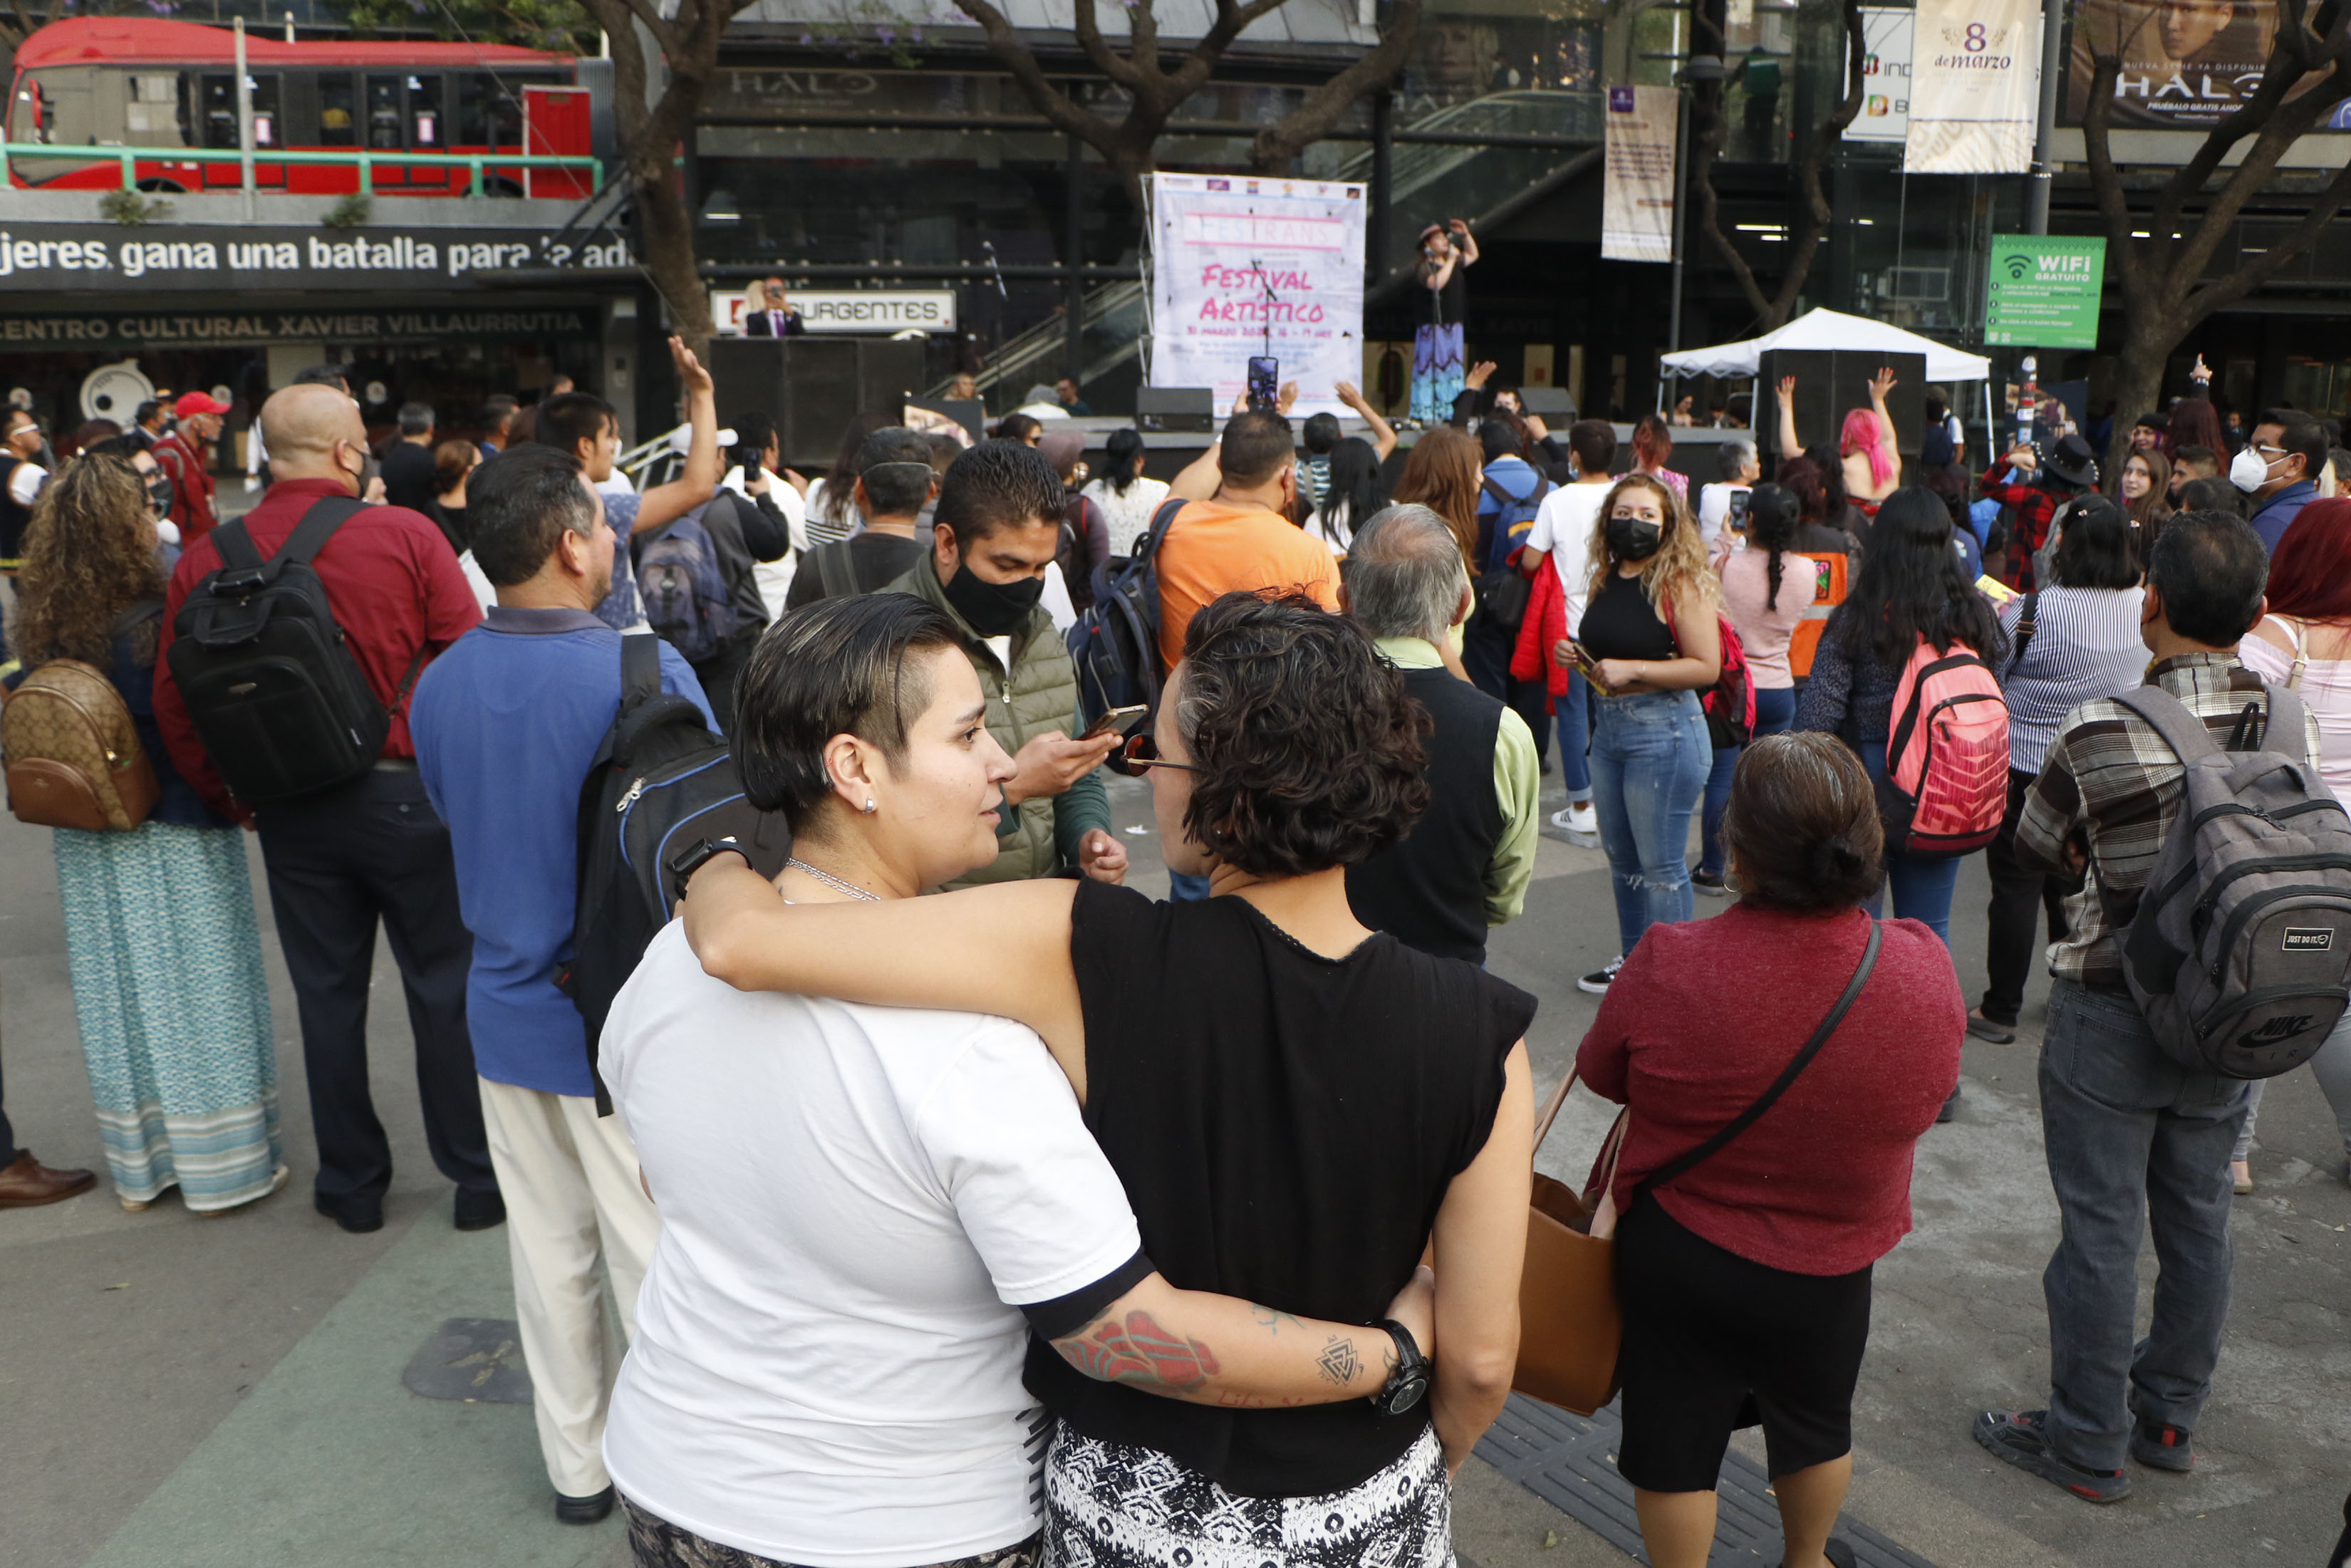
[(1429, 181)]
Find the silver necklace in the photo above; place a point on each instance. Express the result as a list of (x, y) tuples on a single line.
[(849, 888)]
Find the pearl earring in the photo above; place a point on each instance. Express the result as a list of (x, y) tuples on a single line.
[(869, 808)]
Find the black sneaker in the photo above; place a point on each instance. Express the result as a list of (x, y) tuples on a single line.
[(594, 1509), (2021, 1437), (479, 1210), (2162, 1446), (1709, 883), (1598, 981)]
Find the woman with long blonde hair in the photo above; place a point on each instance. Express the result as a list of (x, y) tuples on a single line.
[(1648, 643), (160, 932), (1442, 472)]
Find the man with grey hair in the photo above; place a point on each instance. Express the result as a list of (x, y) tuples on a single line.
[(1725, 501), (1465, 866)]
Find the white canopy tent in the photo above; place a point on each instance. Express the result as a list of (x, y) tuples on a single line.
[(1831, 329)]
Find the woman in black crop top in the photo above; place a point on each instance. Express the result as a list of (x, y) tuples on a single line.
[(1297, 1105), (1648, 643)]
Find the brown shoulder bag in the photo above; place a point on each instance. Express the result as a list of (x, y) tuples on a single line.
[(70, 750)]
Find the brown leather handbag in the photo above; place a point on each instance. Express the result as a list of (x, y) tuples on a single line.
[(1570, 1324), (71, 748)]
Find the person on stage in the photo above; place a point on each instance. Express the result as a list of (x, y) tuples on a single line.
[(1447, 251)]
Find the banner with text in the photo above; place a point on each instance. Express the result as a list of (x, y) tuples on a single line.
[(2042, 290), (1975, 87), (1636, 199), (82, 258), (1885, 75), (2184, 65), (1243, 266)]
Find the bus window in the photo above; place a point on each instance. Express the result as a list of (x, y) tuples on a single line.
[(489, 108), (337, 119), (385, 111), (425, 113), (154, 114), (64, 109), (220, 110)]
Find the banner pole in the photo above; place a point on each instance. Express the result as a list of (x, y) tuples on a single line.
[(2036, 192)]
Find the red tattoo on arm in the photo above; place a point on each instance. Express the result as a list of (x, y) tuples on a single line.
[(1138, 1350)]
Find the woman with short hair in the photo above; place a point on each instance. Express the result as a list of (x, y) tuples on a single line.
[(1237, 1058), (2085, 643), (168, 991), (1653, 448), (1745, 1276)]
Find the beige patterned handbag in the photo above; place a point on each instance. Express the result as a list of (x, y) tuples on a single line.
[(72, 754)]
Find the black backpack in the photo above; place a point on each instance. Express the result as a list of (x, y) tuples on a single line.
[(269, 680), (1503, 594), (660, 782), (1115, 643)]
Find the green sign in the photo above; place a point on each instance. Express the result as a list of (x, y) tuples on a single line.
[(2043, 291)]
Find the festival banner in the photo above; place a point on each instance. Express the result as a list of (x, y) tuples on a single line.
[(1243, 266), (2185, 64), (1636, 199), (1975, 87), (1885, 75)]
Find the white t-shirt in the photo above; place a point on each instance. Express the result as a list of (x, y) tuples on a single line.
[(825, 1369), (774, 578), (24, 482), (1563, 530), (616, 484), (1714, 507)]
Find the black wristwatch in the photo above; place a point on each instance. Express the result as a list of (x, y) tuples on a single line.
[(1407, 1384), (695, 856)]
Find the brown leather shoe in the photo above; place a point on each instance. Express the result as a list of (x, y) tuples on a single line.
[(29, 1184)]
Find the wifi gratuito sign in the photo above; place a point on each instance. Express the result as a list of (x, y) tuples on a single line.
[(2043, 291)]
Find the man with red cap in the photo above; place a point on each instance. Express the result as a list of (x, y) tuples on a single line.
[(187, 455)]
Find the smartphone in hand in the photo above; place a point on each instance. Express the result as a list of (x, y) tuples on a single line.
[(1264, 382), (1115, 720)]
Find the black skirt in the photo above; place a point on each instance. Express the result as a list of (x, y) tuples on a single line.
[(1714, 1341)]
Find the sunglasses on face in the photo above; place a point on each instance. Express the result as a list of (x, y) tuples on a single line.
[(1139, 754)]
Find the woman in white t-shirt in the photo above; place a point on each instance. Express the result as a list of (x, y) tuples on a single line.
[(866, 1210), (1358, 490), (2304, 642), (1561, 539), (1127, 499)]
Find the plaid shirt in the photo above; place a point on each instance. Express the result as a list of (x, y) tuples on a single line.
[(2116, 784), (2034, 509)]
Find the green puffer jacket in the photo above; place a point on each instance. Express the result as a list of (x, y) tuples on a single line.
[(1040, 694)]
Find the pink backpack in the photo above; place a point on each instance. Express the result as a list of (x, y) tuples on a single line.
[(1946, 789)]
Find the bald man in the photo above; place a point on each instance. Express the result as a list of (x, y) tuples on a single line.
[(343, 859)]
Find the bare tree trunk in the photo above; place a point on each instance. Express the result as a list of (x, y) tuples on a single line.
[(2147, 342)]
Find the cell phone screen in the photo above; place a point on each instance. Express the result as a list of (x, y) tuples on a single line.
[(1264, 381)]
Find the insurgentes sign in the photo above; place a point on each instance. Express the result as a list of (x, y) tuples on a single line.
[(82, 258)]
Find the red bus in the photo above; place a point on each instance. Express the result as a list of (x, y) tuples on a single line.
[(121, 81)]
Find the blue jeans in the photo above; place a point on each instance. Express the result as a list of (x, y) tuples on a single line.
[(2134, 1140), (1649, 760), (1921, 886), (1574, 711), (1775, 710)]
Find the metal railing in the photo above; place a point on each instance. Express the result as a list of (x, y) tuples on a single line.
[(365, 159)]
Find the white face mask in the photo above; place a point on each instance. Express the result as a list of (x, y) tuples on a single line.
[(2247, 472)]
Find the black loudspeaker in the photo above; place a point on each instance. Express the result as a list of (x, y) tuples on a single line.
[(1553, 403), (1832, 383), (1186, 409), (813, 386)]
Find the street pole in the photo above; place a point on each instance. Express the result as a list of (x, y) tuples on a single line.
[(1681, 203), (2036, 190), (1073, 256), (243, 122)]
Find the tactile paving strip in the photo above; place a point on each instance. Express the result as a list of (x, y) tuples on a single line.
[(1570, 1462)]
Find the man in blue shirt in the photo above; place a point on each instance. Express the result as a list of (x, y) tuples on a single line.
[(2279, 469), (506, 725)]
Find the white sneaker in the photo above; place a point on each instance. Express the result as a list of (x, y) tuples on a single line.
[(1598, 981), (1580, 822)]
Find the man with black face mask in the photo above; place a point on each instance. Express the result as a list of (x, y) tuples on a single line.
[(997, 526)]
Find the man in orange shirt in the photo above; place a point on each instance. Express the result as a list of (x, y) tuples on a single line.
[(1236, 534)]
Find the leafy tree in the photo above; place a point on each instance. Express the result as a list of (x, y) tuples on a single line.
[(560, 26)]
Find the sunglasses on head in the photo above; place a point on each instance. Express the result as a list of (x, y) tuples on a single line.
[(1138, 754)]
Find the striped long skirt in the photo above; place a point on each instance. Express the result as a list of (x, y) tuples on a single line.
[(173, 1009)]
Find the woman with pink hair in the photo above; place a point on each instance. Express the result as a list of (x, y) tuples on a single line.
[(1653, 444), (1873, 466)]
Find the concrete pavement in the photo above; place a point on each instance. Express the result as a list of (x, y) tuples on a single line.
[(185, 1390)]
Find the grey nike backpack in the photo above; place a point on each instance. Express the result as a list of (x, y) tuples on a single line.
[(2240, 957)]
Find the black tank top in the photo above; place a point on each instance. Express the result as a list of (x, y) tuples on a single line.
[(1285, 1125), (1620, 623)]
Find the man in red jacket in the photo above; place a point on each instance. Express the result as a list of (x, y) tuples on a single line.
[(343, 859), (187, 455)]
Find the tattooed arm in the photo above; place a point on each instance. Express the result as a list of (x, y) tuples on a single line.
[(1222, 1351)]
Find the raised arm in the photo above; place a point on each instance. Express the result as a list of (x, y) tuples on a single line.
[(1480, 1241), (1383, 435), (912, 952), (1789, 445), (1879, 385), (1216, 1350), (1201, 478), (699, 481)]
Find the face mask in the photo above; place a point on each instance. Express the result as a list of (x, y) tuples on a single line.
[(159, 493), (993, 608), (1631, 538), (2247, 472)]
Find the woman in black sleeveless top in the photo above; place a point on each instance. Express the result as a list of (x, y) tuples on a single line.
[(1297, 1105)]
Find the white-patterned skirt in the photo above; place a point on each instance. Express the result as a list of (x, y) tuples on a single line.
[(1113, 1505)]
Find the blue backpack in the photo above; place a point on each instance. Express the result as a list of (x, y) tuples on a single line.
[(1115, 644), (684, 593)]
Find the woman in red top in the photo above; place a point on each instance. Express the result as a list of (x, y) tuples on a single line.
[(1745, 1281)]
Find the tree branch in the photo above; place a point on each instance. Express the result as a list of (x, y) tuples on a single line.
[(1098, 50), (2106, 184), (1064, 112), (1312, 120), (2221, 292)]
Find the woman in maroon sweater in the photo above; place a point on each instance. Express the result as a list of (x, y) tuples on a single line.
[(1745, 1279)]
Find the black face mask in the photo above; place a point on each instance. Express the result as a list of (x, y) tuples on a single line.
[(993, 608), (1630, 538), (159, 493)]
